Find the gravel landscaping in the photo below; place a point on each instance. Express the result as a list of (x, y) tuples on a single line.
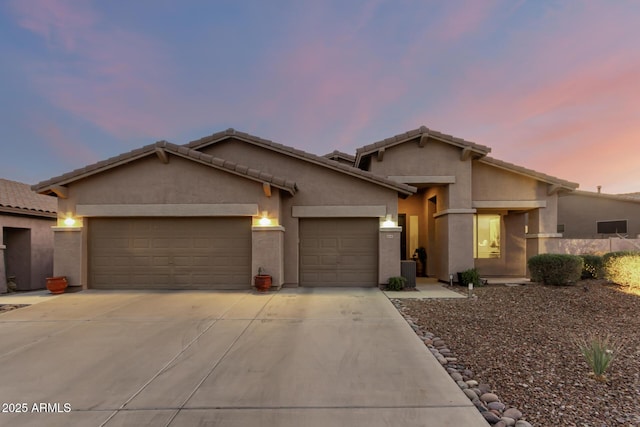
[(519, 343), (9, 307)]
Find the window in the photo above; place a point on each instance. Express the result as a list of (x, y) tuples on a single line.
[(486, 236), (612, 227)]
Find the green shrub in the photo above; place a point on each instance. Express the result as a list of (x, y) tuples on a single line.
[(622, 268), (592, 266), (471, 276), (396, 283), (555, 269)]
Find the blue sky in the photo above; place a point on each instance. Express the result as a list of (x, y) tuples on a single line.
[(549, 85)]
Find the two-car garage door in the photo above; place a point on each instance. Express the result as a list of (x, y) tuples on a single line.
[(170, 253)]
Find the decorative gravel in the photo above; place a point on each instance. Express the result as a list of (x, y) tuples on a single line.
[(9, 307), (519, 342)]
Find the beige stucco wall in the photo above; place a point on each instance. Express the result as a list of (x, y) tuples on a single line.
[(70, 255), (182, 183), (593, 246), (36, 265), (449, 245), (389, 254), (512, 186), (579, 214), (317, 186), (148, 181), (478, 187)]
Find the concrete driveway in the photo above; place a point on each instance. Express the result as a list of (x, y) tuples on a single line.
[(299, 357)]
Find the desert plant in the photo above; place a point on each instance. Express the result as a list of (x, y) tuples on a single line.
[(471, 276), (622, 268), (599, 352), (592, 268), (396, 283), (555, 269)]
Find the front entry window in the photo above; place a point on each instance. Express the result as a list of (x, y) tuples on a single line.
[(486, 236)]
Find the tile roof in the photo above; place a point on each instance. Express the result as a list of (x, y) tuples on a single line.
[(178, 150), (18, 197), (629, 197), (404, 189), (335, 155), (414, 134), (529, 172)]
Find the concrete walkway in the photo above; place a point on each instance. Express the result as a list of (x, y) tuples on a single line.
[(427, 287), (298, 357)]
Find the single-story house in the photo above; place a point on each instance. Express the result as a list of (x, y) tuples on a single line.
[(26, 242), (210, 213), (596, 215)]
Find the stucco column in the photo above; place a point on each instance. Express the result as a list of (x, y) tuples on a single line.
[(3, 271), (388, 253), (542, 228), (68, 256), (267, 252)]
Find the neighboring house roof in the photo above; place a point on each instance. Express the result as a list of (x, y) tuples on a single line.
[(160, 149), (17, 197), (339, 155), (564, 184), (404, 189), (422, 132), (630, 195), (618, 197)]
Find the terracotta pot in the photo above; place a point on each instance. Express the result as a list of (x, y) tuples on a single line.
[(57, 285), (262, 282)]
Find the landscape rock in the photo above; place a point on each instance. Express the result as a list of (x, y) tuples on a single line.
[(489, 397)]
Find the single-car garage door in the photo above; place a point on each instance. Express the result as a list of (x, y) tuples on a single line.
[(339, 251), (170, 253)]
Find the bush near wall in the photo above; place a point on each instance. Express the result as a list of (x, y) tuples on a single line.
[(555, 269), (592, 266), (622, 268)]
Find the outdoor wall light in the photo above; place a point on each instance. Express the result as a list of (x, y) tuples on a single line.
[(265, 221), (388, 222), (69, 221)]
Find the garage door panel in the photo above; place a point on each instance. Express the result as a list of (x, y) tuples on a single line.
[(170, 253), (339, 251)]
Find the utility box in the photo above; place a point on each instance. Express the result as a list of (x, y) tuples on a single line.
[(408, 271)]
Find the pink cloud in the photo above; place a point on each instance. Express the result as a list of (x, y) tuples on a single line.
[(115, 79), (64, 146), (58, 21)]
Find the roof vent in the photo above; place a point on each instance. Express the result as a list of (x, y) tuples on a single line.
[(599, 188)]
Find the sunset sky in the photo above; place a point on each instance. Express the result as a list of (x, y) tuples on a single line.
[(549, 85)]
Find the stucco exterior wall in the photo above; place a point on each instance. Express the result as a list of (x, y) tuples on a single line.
[(181, 183), (434, 159), (593, 246), (37, 264), (149, 181), (579, 214), (512, 186), (317, 186)]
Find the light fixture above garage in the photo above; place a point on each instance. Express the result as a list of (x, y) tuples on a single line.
[(388, 222), (69, 221), (264, 220)]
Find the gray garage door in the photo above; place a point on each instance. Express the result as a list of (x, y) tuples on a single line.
[(339, 252), (170, 253)]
